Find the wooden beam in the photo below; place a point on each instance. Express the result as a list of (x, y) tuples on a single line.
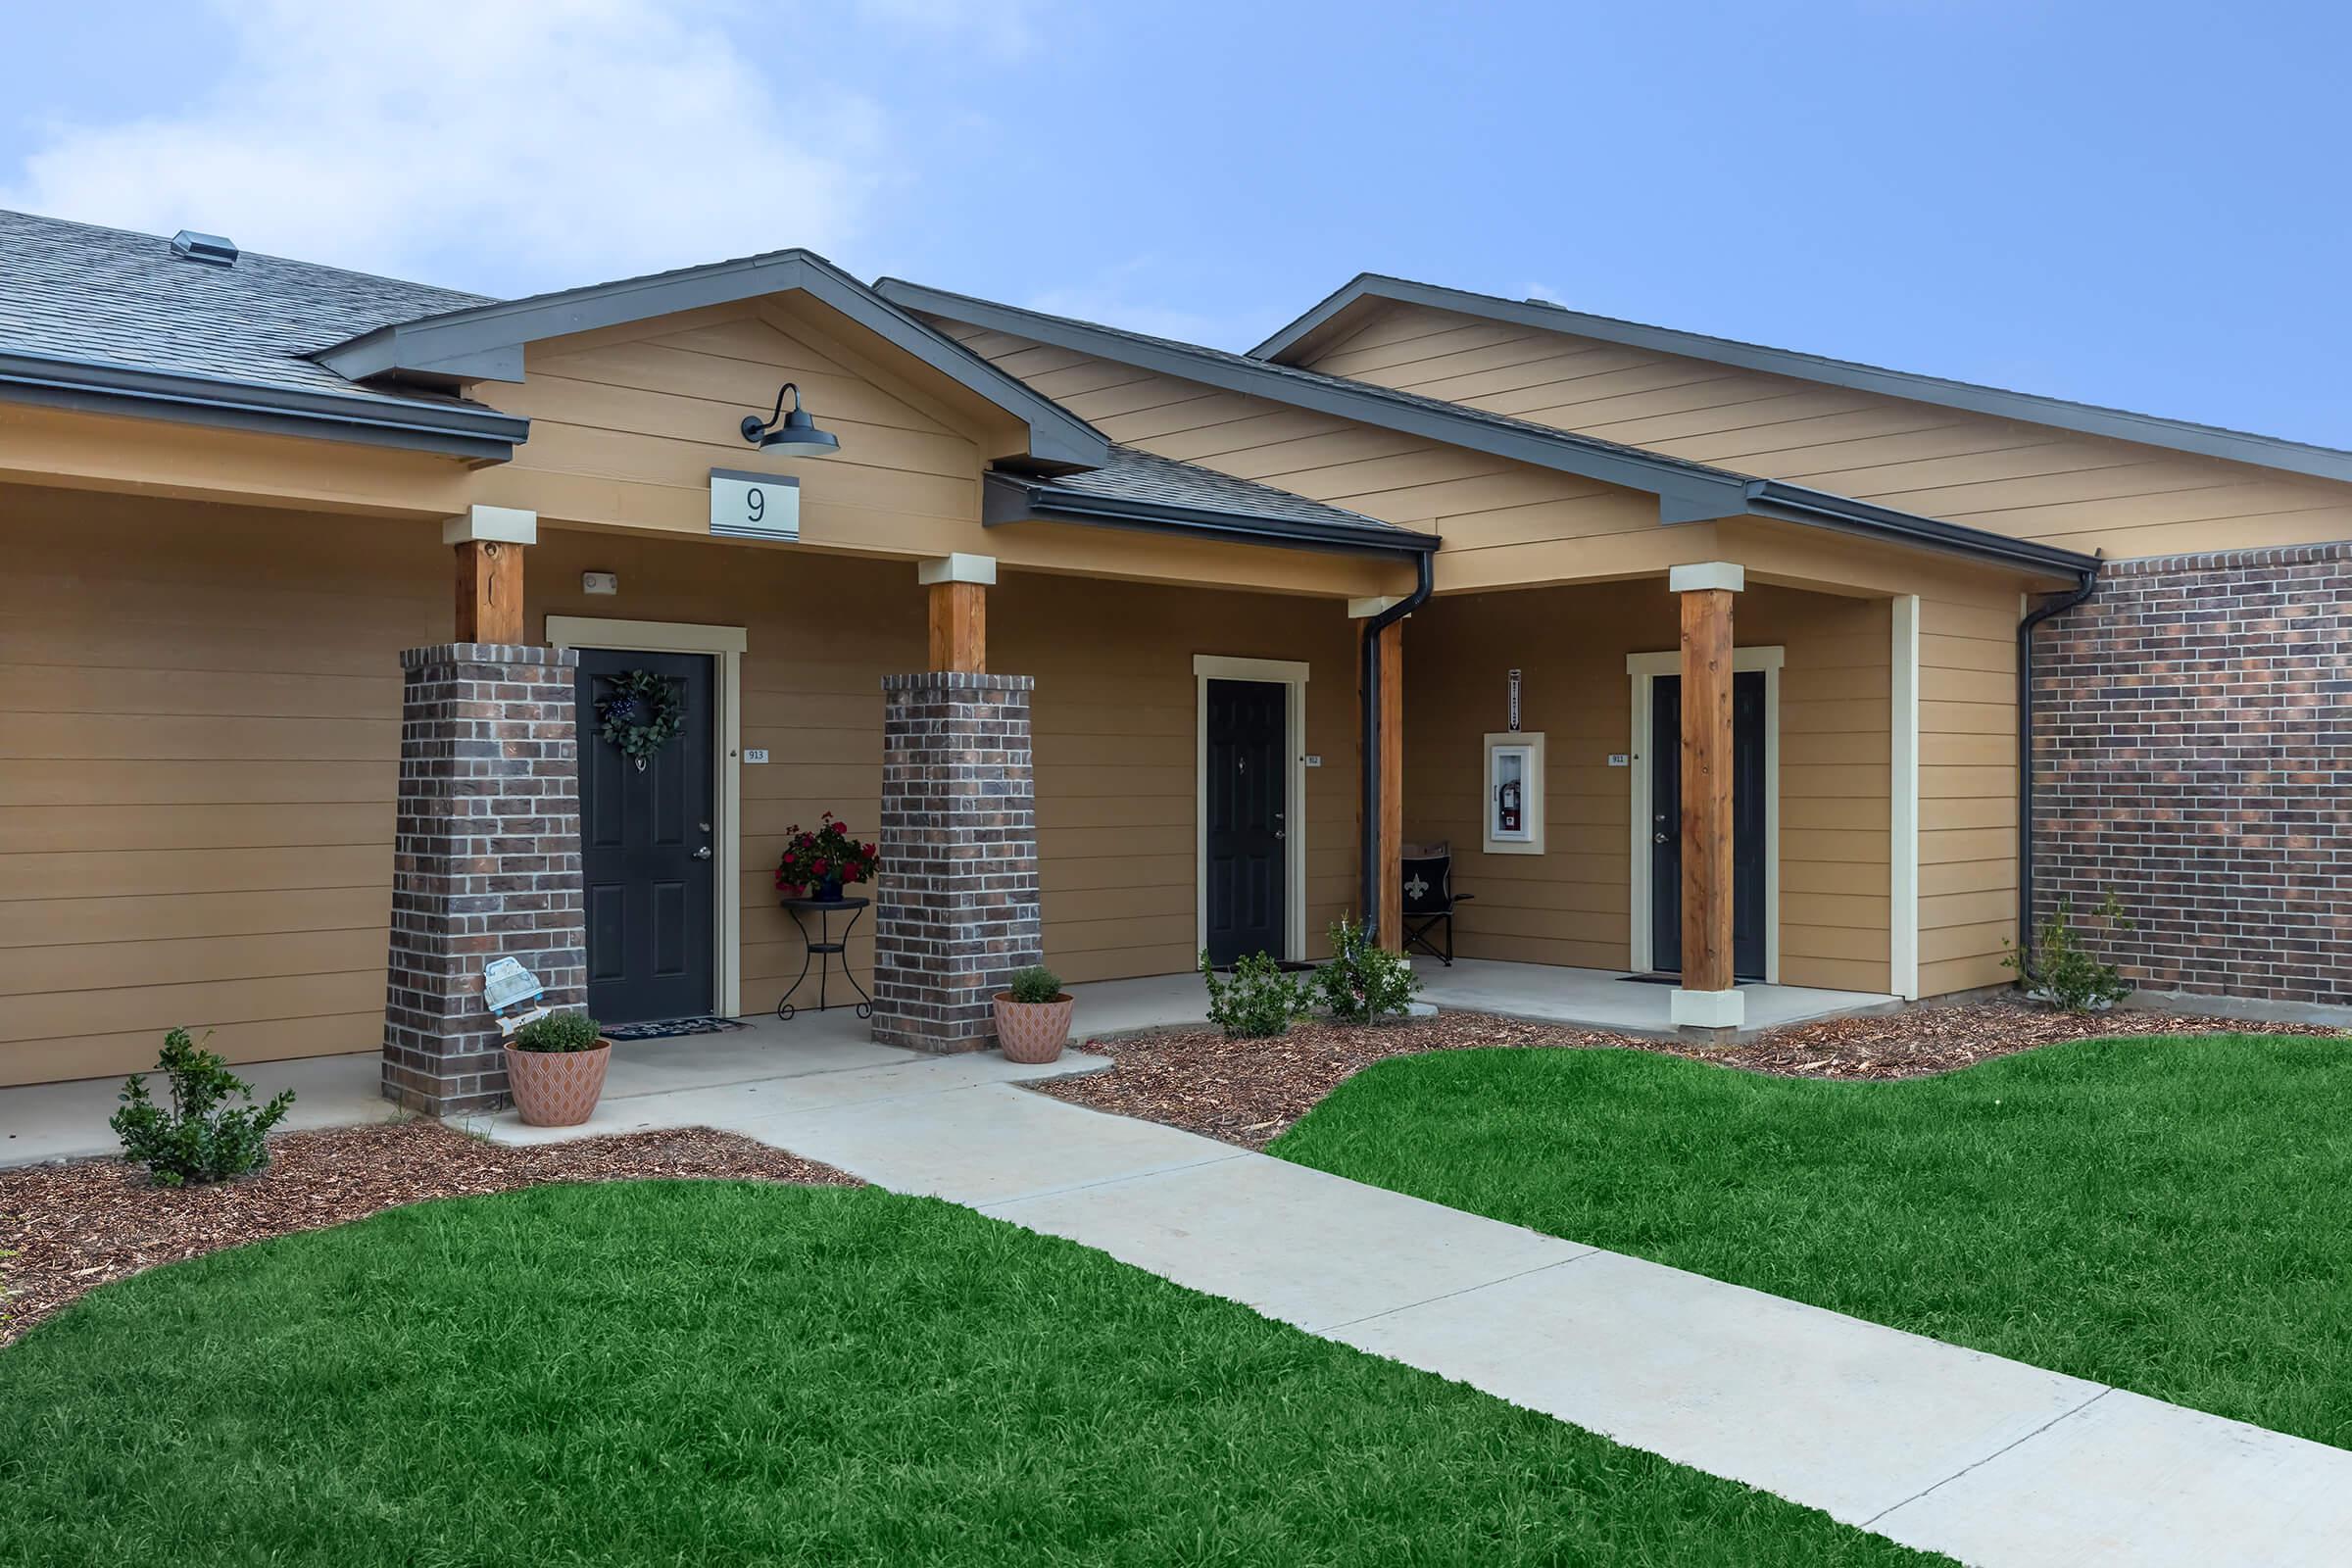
[(489, 591), (1707, 789), (960, 626), (1391, 653)]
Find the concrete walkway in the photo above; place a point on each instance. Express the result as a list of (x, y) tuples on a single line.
[(1988, 1460)]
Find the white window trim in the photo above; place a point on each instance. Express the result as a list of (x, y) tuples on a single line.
[(726, 645), (1292, 674), (1902, 933), (1644, 669)]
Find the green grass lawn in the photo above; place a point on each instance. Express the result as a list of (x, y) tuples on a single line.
[(2167, 1216), (654, 1373)]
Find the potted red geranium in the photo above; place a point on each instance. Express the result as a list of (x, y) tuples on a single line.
[(817, 863)]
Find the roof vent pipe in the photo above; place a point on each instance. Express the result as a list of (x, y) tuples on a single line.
[(209, 249)]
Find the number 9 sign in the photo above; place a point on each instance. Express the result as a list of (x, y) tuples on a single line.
[(755, 506)]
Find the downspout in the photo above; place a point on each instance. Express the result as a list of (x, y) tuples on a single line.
[(1370, 849), (2050, 610)]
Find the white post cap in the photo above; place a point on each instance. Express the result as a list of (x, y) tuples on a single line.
[(959, 568), (506, 525), (1707, 574)]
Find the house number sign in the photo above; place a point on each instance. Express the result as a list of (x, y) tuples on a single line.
[(755, 506)]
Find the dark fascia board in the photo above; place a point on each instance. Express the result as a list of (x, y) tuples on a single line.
[(90, 386), (1685, 491), (2086, 418), (1017, 498), (1686, 494), (485, 342), (1818, 508)]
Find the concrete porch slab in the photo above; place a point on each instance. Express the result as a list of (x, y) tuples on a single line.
[(1604, 999)]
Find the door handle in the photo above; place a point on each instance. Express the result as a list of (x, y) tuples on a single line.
[(703, 854), (1278, 833), (1658, 838)]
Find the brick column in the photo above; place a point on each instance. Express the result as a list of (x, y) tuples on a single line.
[(957, 896), (486, 862)]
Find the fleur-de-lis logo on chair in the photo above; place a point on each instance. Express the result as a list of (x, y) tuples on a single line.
[(1418, 887)]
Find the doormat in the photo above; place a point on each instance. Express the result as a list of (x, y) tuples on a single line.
[(664, 1028), (1667, 980)]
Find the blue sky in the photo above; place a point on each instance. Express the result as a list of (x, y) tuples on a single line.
[(2138, 203)]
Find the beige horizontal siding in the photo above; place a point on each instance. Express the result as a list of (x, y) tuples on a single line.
[(2010, 476)]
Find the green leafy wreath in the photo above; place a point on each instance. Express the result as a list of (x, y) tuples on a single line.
[(640, 715)]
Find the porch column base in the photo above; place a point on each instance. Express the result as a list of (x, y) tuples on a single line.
[(1706, 1009), (485, 862), (955, 899)]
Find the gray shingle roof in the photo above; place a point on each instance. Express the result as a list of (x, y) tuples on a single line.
[(1144, 477), (81, 292)]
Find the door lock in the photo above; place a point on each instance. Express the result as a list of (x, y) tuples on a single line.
[(703, 854)]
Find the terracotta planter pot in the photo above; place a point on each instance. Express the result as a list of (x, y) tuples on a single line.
[(557, 1088), (1033, 1031)]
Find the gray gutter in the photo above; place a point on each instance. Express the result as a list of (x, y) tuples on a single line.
[(1687, 492), (1014, 498), (2087, 419), (485, 342), (1794, 502), (90, 386)]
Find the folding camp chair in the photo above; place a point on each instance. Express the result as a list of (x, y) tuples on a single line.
[(1428, 898)]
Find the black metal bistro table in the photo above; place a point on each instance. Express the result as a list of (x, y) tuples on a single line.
[(821, 953)]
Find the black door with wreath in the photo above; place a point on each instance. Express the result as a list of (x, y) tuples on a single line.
[(1247, 724), (648, 853)]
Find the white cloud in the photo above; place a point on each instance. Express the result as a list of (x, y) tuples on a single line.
[(488, 143), (1006, 30), (1125, 296)]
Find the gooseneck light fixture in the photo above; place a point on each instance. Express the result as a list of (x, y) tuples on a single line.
[(794, 432)]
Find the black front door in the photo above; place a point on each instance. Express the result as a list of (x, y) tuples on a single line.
[(1748, 824), (647, 848), (1248, 728)]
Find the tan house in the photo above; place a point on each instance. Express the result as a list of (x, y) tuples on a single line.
[(1703, 658)]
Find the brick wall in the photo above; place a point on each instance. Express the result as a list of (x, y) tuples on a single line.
[(955, 903), (486, 862), (2190, 756)]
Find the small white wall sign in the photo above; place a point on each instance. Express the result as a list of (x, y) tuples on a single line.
[(755, 506), (1511, 717), (754, 753)]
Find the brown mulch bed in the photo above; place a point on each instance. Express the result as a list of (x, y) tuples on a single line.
[(76, 1225), (1249, 1092)]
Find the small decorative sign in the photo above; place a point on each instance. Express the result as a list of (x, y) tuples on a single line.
[(755, 506), (1514, 703)]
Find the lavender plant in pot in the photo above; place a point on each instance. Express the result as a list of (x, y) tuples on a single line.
[(1033, 1016), (556, 1070)]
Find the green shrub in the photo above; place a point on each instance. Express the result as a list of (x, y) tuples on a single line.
[(2065, 973), (200, 1138), (1037, 983), (559, 1032), (1257, 1003), (1362, 981)]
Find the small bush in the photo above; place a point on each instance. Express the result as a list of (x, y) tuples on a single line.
[(1257, 1003), (1362, 981), (199, 1139), (1037, 983), (558, 1033), (2065, 973)]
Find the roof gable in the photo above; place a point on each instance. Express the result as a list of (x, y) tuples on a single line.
[(485, 342), (1333, 317)]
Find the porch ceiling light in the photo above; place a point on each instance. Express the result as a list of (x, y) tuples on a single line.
[(789, 432)]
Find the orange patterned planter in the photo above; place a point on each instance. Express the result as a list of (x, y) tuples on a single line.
[(1033, 1031), (557, 1088)]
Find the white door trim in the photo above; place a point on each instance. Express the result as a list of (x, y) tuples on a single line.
[(1292, 674), (1644, 669), (1902, 933), (726, 645)]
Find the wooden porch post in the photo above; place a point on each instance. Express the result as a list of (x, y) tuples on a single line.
[(1707, 998), (490, 542), (958, 608)]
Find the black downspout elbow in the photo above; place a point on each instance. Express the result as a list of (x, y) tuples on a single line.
[(2048, 610), (1370, 729)]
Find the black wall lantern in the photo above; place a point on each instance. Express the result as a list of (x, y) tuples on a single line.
[(789, 432)]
